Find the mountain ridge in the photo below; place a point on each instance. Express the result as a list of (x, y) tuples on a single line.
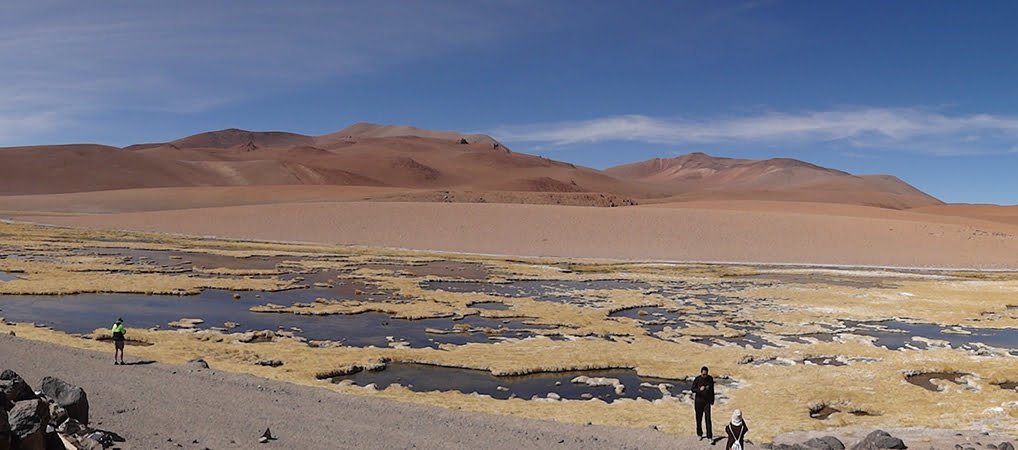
[(401, 156)]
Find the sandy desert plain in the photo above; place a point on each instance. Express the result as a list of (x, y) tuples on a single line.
[(861, 305)]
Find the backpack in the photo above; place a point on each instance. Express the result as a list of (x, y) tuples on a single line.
[(738, 440)]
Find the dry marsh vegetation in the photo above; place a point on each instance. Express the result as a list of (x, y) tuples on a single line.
[(728, 303)]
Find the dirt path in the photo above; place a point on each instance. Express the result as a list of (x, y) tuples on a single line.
[(158, 406)]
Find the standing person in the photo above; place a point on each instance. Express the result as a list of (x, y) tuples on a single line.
[(118, 341), (703, 398), (736, 432)]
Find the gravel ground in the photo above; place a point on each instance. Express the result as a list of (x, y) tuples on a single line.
[(161, 406)]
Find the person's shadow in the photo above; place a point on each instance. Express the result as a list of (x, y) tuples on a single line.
[(716, 440), (138, 363)]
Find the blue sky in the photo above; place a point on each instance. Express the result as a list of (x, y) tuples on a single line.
[(925, 90)]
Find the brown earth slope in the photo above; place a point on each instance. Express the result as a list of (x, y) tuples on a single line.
[(415, 159), (697, 176), (361, 155)]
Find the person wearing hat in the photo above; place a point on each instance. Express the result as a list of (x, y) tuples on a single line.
[(736, 431), (118, 341), (703, 398)]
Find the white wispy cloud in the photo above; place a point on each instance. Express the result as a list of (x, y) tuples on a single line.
[(63, 60), (921, 130)]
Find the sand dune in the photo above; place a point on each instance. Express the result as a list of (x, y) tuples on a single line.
[(766, 233)]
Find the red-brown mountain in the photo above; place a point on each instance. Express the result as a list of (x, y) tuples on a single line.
[(700, 176), (413, 158)]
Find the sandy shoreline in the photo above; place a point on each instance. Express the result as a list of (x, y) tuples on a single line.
[(858, 236)]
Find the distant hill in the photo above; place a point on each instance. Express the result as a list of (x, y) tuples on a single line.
[(701, 176), (363, 154), (417, 159)]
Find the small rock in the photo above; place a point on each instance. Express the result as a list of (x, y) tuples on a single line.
[(71, 398), (1005, 446), (266, 437), (199, 363), (231, 325), (186, 323), (554, 396), (269, 362), (236, 296)]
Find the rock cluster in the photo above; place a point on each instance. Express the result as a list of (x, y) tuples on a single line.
[(601, 381), (56, 416), (824, 443), (877, 440)]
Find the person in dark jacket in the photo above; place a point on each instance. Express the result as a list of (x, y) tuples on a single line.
[(736, 431), (703, 398)]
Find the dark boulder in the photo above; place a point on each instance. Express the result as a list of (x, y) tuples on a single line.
[(1005, 446), (70, 397), (14, 389), (824, 443), (5, 432), (28, 420), (879, 439)]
